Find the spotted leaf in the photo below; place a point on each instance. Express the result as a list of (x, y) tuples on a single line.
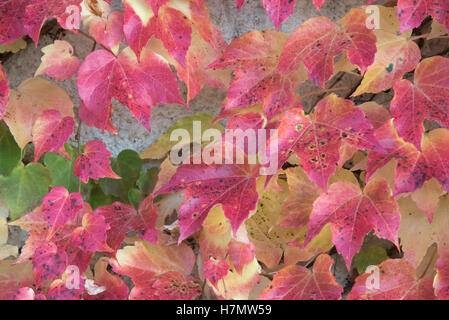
[(353, 214), (299, 283)]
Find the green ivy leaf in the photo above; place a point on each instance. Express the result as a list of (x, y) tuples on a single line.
[(24, 187), (372, 255), (147, 181), (135, 197), (10, 153), (128, 166), (61, 169)]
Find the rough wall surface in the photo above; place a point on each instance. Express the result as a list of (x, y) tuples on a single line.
[(132, 135)]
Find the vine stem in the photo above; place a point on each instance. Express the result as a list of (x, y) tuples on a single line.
[(88, 36)]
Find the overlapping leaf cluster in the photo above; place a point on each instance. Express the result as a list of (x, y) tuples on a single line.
[(356, 184)]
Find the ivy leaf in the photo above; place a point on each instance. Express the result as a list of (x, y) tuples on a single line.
[(413, 167), (318, 3), (316, 139), (128, 166), (317, 41), (11, 24), (427, 98), (415, 222), (91, 236), (109, 31), (50, 132), (61, 169), (239, 4), (58, 61), (372, 255), (144, 262), (254, 58), (13, 277), (412, 13), (278, 10), (353, 214), (59, 290), (123, 218), (170, 285), (24, 187), (299, 283), (215, 270), (29, 101), (4, 92), (94, 162), (67, 12), (397, 281), (396, 55), (209, 185), (138, 85), (48, 262), (59, 207), (114, 287), (10, 153)]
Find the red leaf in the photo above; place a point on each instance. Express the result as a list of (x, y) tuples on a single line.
[(58, 207), (94, 162), (171, 285), (239, 4), (170, 25), (91, 236), (156, 4), (413, 167), (353, 214), (241, 254), (50, 132), (427, 98), (92, 120), (67, 12), (4, 91), (318, 3), (412, 12), (60, 290), (138, 85), (215, 270), (48, 262), (299, 283), (58, 61), (397, 281), (11, 24), (123, 218), (318, 41), (209, 185), (316, 139), (279, 10), (108, 32), (254, 58)]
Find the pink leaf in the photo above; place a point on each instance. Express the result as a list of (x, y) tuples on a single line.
[(94, 162), (50, 132)]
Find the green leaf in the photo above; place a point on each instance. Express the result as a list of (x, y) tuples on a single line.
[(128, 166), (372, 255), (147, 181), (98, 198), (163, 145), (24, 187), (61, 169), (10, 153), (135, 197)]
